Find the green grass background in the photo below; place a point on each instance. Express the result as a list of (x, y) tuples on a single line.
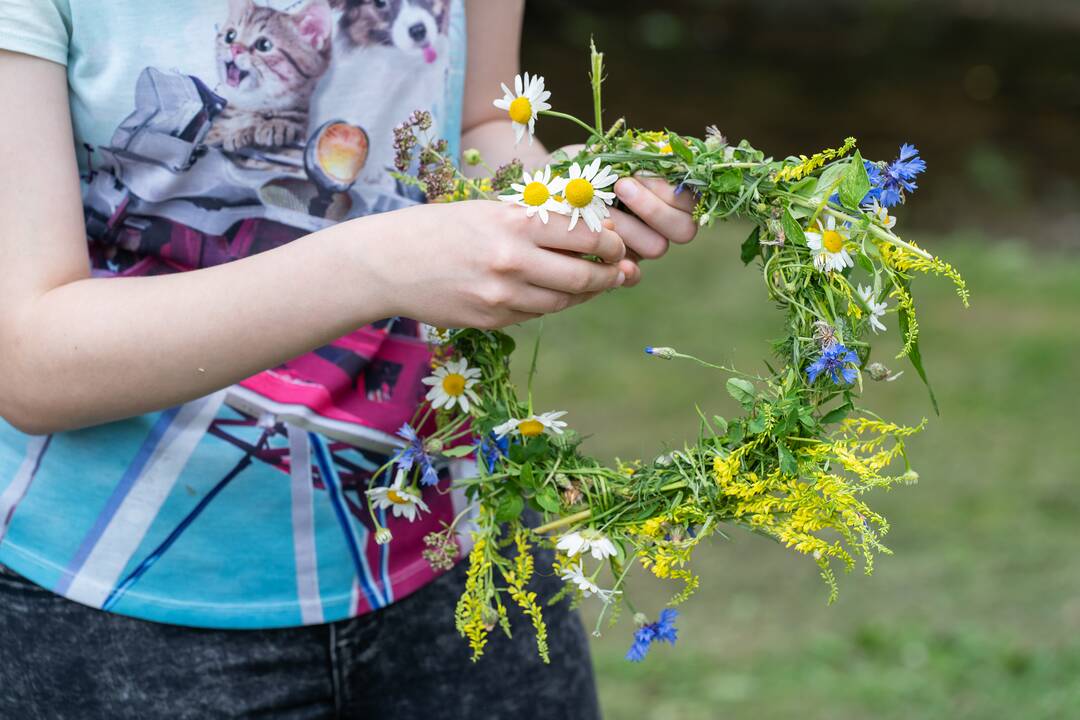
[(976, 615)]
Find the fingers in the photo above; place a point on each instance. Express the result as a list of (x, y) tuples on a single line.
[(568, 274), (680, 199), (536, 300), (671, 221), (631, 267), (639, 237), (606, 244)]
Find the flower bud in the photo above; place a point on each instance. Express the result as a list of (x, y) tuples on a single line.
[(877, 371), (910, 477), (471, 157), (664, 353), (383, 536), (433, 446)]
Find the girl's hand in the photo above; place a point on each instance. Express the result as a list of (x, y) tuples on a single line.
[(485, 264), (660, 216)]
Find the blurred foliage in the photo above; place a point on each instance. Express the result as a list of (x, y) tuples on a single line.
[(988, 90), (977, 614)]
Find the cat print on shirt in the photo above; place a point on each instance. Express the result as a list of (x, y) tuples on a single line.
[(269, 63), (282, 126)]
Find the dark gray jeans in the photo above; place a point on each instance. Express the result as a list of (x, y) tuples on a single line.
[(59, 659)]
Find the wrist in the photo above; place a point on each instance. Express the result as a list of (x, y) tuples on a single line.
[(359, 260)]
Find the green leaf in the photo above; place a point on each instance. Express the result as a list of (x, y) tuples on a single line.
[(526, 475), (830, 176), (509, 507), (680, 148), (915, 356), (864, 262), (721, 425), (805, 187), (792, 229), (459, 451), (856, 183), (507, 344), (728, 181), (756, 426), (742, 391), (787, 460), (751, 246), (837, 414), (736, 431), (549, 500)]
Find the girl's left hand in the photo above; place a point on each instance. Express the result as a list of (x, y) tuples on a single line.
[(660, 217)]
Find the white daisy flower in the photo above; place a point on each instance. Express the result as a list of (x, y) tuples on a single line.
[(583, 196), (576, 575), (881, 214), (402, 501), (827, 242), (451, 384), (537, 194), (587, 541), (533, 425), (522, 105), (435, 335), (877, 309)]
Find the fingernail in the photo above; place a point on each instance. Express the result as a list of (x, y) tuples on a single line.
[(620, 279), (627, 189)]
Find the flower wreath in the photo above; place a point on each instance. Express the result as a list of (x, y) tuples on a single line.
[(795, 467)]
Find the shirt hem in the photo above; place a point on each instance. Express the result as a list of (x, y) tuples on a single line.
[(221, 616)]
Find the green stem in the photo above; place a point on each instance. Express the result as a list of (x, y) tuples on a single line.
[(553, 113), (586, 514), (879, 233), (563, 521)]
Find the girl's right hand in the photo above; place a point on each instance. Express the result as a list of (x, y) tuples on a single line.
[(485, 264)]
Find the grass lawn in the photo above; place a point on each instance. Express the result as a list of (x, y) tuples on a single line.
[(978, 613)]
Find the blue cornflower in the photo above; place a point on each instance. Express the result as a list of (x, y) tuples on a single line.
[(414, 453), (661, 630), (835, 360), (889, 183), (492, 448)]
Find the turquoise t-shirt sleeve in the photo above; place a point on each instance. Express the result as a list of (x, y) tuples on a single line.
[(36, 27)]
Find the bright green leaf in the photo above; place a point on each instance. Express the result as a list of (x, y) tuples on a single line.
[(680, 147), (856, 183), (742, 390), (792, 230), (509, 507)]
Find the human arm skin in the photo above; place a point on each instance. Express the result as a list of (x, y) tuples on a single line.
[(78, 351)]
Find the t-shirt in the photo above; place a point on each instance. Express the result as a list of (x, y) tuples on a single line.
[(208, 131)]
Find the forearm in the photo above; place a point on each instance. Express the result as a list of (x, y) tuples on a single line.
[(96, 350)]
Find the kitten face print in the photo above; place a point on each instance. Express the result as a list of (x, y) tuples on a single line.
[(269, 59), (412, 26)]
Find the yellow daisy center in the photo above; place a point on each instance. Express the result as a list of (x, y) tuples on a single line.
[(520, 110), (832, 241), (530, 428), (579, 192), (397, 498), (666, 150), (536, 193), (454, 384)]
